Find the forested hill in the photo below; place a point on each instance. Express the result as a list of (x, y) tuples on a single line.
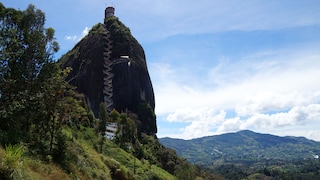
[(246, 154), (243, 145)]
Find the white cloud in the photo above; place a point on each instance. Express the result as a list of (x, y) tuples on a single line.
[(77, 38), (257, 92), (163, 70), (202, 125), (275, 101), (206, 122), (190, 115), (266, 91), (85, 32), (298, 115), (230, 125), (72, 38)]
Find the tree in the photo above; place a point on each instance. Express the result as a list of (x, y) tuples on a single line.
[(126, 134), (91, 118), (102, 119), (35, 100), (147, 115), (59, 104), (184, 170), (26, 47), (114, 116), (102, 126)]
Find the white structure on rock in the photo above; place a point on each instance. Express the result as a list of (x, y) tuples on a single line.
[(111, 130)]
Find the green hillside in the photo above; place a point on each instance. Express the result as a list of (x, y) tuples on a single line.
[(81, 161), (247, 152), (243, 145)]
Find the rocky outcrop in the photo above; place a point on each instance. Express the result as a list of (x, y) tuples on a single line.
[(109, 65)]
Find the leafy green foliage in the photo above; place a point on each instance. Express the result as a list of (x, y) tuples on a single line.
[(60, 149), (166, 158), (126, 134), (114, 116), (121, 36), (13, 154), (35, 100), (98, 28), (11, 162), (102, 119), (147, 115), (26, 47)]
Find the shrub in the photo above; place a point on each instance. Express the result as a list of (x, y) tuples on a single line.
[(13, 155), (59, 152)]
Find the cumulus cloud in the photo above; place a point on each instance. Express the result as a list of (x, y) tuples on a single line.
[(298, 115), (190, 115), (208, 122), (275, 101), (263, 92), (203, 123), (230, 125), (247, 94)]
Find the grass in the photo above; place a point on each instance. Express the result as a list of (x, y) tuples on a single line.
[(83, 161), (14, 165)]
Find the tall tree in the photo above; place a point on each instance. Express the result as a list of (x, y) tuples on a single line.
[(126, 134), (25, 48), (59, 105), (114, 116), (102, 119)]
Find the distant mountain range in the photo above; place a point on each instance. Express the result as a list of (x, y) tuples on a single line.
[(244, 147)]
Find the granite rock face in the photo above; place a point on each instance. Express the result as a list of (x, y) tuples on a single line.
[(109, 65)]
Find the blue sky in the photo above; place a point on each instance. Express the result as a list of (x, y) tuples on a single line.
[(216, 66)]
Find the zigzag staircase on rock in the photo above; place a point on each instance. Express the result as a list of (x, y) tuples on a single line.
[(107, 72)]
